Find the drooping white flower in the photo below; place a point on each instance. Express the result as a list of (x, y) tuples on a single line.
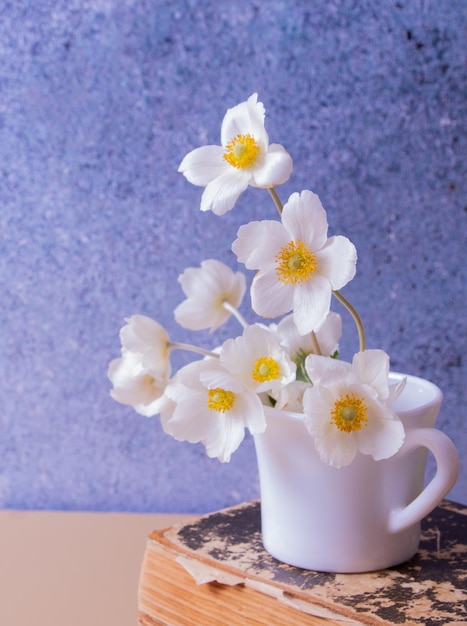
[(140, 375), (211, 406), (258, 360), (136, 386), (143, 335), (245, 158), (209, 289), (347, 409), (298, 265)]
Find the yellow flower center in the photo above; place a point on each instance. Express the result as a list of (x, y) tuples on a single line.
[(220, 399), (295, 263), (242, 151), (349, 413), (265, 368)]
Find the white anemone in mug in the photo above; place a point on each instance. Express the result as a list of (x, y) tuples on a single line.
[(257, 359), (146, 337), (299, 266), (140, 375), (213, 292), (212, 407), (347, 409), (245, 158), (135, 385)]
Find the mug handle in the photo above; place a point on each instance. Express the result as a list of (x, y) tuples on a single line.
[(447, 472)]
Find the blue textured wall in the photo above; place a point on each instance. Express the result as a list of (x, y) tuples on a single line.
[(99, 102)]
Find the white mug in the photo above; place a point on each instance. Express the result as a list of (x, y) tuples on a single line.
[(358, 518)]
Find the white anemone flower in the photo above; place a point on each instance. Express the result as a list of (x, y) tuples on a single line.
[(136, 386), (211, 406), (146, 337), (347, 409), (213, 293), (258, 360), (245, 158), (298, 265), (140, 375)]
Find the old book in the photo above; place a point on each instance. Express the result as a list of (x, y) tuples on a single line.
[(214, 571)]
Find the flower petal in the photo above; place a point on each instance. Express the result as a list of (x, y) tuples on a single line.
[(203, 165), (305, 218), (311, 303), (213, 376), (257, 243), (316, 406), (192, 315), (153, 408), (245, 118), (221, 194), (337, 261), (276, 167), (372, 368), (269, 297), (224, 438), (191, 420), (290, 398), (384, 433), (337, 449), (250, 410), (316, 366)]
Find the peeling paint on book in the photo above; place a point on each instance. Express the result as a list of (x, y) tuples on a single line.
[(429, 589)]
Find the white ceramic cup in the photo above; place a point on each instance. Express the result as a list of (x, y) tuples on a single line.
[(358, 518)]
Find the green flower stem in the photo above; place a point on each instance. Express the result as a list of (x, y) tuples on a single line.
[(175, 345), (231, 309), (315, 343), (356, 317), (276, 199)]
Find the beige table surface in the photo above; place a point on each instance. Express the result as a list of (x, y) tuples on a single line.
[(73, 569)]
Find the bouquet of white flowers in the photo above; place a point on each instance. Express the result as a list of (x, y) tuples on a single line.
[(291, 364)]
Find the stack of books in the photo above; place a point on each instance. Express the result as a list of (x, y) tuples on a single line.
[(214, 571)]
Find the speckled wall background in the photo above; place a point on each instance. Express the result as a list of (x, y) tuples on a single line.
[(99, 102)]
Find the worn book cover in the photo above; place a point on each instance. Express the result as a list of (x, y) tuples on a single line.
[(219, 562)]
